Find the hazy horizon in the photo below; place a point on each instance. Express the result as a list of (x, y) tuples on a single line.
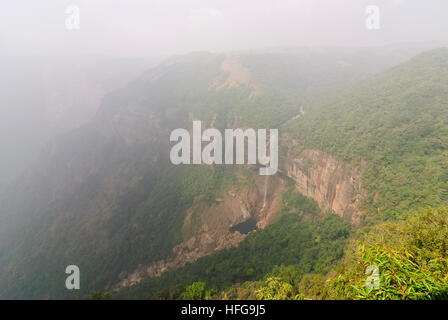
[(66, 72), (164, 28), (135, 135)]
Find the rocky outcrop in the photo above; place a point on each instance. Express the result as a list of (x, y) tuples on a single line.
[(208, 228), (334, 185)]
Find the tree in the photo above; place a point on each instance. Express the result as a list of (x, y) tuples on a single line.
[(276, 289), (196, 291)]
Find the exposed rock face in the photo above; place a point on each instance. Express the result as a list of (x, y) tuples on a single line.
[(333, 185), (208, 228), (235, 75)]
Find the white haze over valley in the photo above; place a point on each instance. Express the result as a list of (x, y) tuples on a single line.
[(52, 79)]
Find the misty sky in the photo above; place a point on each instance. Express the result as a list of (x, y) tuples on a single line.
[(164, 27)]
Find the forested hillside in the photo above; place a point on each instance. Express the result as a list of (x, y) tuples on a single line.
[(397, 123), (310, 246), (107, 198)]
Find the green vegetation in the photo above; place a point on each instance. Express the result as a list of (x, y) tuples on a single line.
[(275, 289), (98, 295), (412, 257), (397, 122), (115, 203), (141, 225), (293, 201), (312, 245), (195, 292)]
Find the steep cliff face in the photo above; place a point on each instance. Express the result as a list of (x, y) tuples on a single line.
[(209, 228), (334, 185)]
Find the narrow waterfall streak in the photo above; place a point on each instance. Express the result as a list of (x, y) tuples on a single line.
[(265, 192)]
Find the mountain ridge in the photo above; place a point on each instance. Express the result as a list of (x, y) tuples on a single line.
[(110, 191)]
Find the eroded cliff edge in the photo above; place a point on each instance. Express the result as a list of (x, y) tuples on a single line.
[(333, 184)]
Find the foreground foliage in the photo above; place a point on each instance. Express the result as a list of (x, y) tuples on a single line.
[(412, 257), (310, 245), (276, 289)]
